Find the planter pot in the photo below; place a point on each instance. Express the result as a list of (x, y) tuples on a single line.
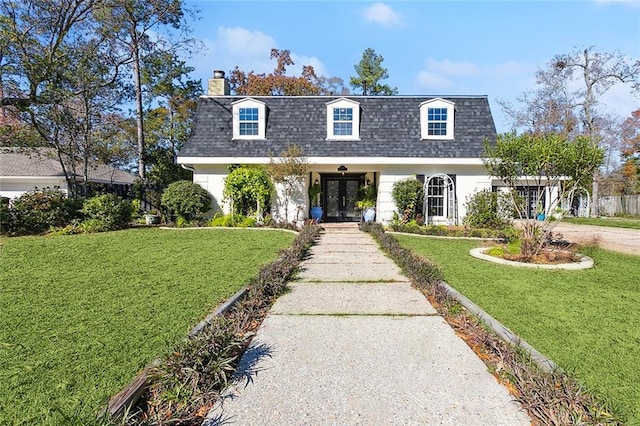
[(152, 219), (541, 217), (369, 214), (316, 213)]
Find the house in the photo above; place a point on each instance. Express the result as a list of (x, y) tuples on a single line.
[(350, 142), (23, 170)]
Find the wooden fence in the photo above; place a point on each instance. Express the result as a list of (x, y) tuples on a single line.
[(619, 205)]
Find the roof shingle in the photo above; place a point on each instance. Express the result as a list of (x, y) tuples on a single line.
[(389, 127)]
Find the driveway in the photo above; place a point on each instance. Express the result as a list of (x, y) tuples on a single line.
[(616, 239)]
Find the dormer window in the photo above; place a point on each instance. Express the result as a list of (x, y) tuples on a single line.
[(249, 119), (343, 119), (436, 119)]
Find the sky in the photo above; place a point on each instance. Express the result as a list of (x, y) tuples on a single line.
[(437, 48)]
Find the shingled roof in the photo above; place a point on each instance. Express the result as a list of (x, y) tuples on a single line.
[(389, 127), (41, 162)]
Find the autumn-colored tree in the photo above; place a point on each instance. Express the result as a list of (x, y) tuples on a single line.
[(278, 83), (630, 151)]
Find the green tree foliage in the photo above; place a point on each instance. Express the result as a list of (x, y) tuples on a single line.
[(249, 190), (487, 209), (408, 194), (168, 119), (186, 199), (369, 73), (541, 160)]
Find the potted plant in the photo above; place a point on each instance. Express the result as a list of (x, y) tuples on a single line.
[(314, 196), (367, 202)]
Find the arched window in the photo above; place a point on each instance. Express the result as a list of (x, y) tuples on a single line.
[(440, 205)]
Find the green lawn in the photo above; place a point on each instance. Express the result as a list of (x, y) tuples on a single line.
[(82, 314), (614, 222), (586, 321)]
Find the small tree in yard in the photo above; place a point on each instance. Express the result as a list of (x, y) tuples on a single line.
[(288, 170), (538, 160), (186, 199), (249, 191)]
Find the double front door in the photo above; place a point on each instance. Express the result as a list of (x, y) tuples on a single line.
[(340, 194)]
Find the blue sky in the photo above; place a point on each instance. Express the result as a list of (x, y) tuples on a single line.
[(429, 47)]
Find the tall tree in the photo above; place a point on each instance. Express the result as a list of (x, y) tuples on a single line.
[(369, 73), (54, 65), (168, 118), (135, 23), (569, 93)]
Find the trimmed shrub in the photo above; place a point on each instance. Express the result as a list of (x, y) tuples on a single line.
[(186, 199), (487, 209), (35, 212), (408, 195), (107, 212)]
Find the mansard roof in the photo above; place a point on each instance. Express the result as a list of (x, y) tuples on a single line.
[(389, 127)]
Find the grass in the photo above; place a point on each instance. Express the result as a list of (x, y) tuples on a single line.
[(82, 314), (587, 321), (613, 222)]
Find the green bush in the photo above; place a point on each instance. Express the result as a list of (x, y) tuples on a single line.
[(408, 195), (249, 189), (35, 212), (233, 220), (186, 199), (486, 209), (107, 212), (5, 216)]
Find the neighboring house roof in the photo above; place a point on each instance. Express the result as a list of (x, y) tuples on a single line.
[(21, 162), (389, 127)]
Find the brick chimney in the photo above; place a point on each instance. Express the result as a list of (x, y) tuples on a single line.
[(218, 85)]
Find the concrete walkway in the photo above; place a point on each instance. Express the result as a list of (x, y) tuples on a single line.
[(354, 344)]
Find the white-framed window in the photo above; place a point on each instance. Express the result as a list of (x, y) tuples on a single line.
[(343, 119), (436, 191), (249, 119), (436, 119)]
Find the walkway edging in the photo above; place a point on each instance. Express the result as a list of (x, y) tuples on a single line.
[(499, 329)]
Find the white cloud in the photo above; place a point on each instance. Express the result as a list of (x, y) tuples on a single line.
[(512, 69), (448, 67), (442, 74), (382, 14), (300, 60), (434, 81), (619, 100), (247, 49)]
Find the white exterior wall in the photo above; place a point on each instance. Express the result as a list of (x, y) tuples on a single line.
[(13, 187), (211, 178), (468, 179), (296, 207)]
